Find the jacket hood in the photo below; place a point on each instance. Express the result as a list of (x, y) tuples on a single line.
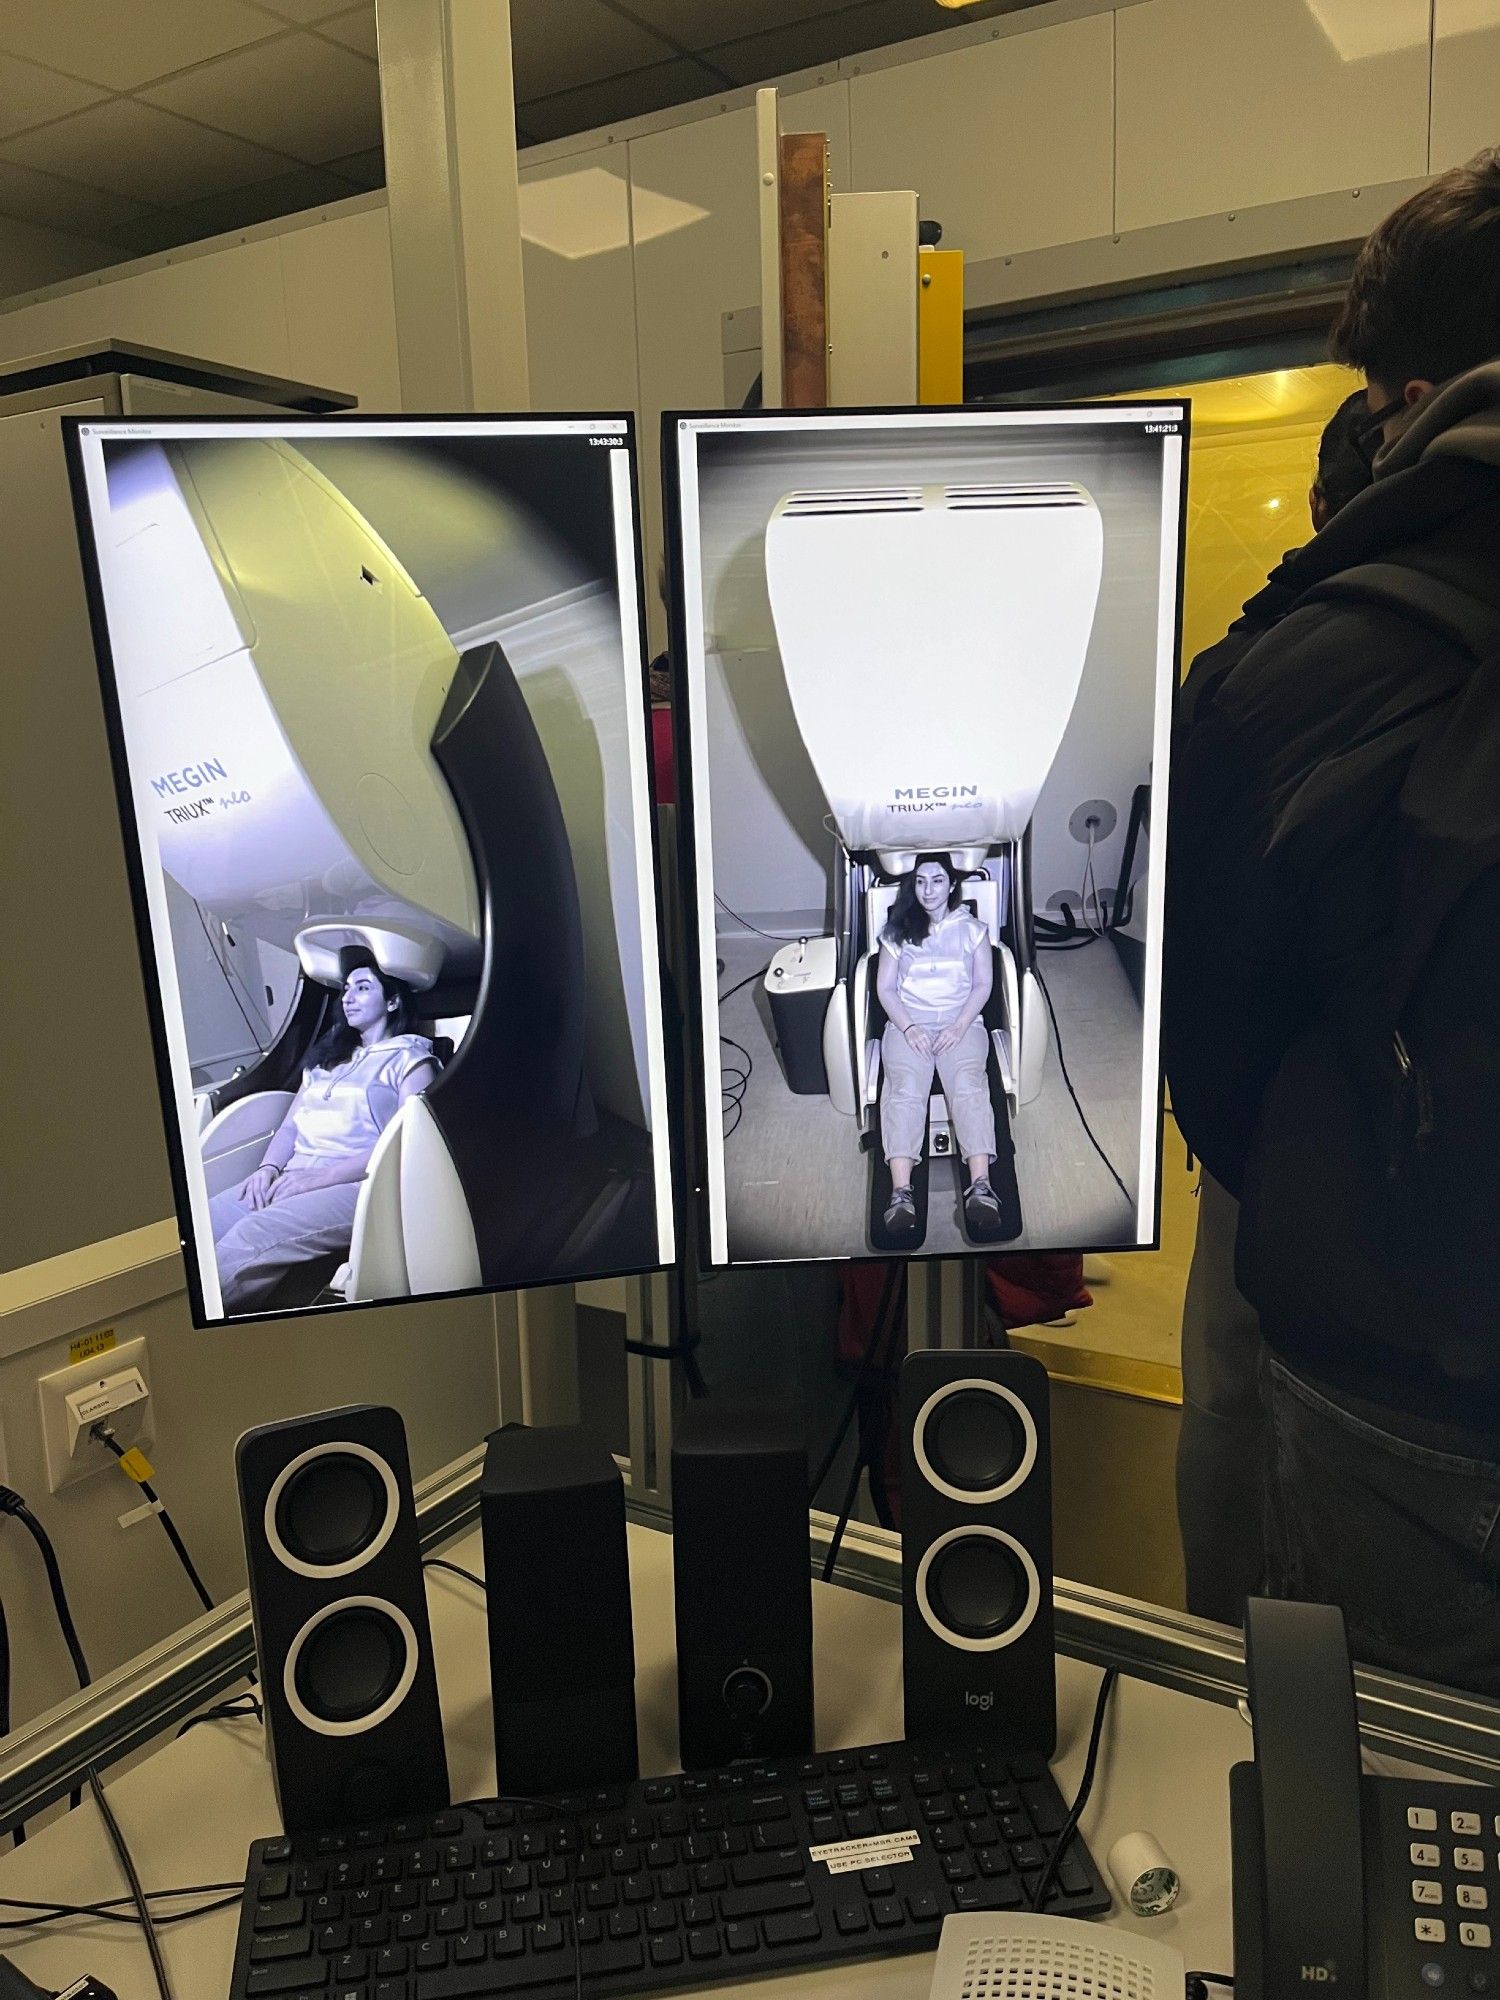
[(1460, 419)]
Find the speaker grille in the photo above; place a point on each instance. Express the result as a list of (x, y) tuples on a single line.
[(331, 1509), (351, 1666)]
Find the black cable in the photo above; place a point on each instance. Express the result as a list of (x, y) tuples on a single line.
[(1062, 1063), (127, 1864), (18, 1831), (1085, 1785), (102, 1433), (226, 1711), (454, 1569), (12, 1503), (775, 937), (759, 973), (121, 1909)]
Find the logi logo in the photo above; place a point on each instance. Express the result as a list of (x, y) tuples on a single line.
[(1321, 1975), (983, 1702)]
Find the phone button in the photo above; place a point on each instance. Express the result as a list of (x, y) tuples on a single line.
[(1477, 1935), (1424, 1856), (1471, 1897), (1469, 1860), (1466, 1822), (1423, 1891), (1430, 1930), (1421, 1819)]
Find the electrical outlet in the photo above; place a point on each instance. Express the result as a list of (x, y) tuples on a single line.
[(115, 1384)]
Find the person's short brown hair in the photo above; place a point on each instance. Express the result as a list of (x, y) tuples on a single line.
[(1424, 301)]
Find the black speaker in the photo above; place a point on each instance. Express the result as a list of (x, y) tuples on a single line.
[(976, 1550), (742, 1579), (557, 1576), (340, 1616)]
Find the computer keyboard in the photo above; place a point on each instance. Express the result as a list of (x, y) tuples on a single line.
[(668, 1882)]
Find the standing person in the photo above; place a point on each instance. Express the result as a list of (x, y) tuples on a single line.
[(1337, 853), (1222, 1443)]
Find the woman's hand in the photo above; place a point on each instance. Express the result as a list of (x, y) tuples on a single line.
[(303, 1180), (917, 1039), (259, 1190), (950, 1037)]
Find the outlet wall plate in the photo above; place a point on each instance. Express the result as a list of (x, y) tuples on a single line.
[(133, 1426), (1105, 821)]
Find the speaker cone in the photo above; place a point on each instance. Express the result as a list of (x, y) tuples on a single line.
[(351, 1666), (331, 1510), (977, 1588), (974, 1441)]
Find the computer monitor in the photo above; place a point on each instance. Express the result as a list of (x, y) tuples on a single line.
[(376, 704), (924, 665)]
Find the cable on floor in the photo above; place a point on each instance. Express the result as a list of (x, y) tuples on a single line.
[(1062, 1063)]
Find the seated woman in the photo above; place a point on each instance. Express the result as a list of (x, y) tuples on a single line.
[(933, 981), (299, 1203)]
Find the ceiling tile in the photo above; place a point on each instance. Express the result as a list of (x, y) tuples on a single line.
[(297, 94), (161, 231), (301, 13), (145, 154), (264, 201), (701, 24), (828, 38), (356, 29), (33, 96), (365, 170), (122, 45), (59, 204), (618, 98), (591, 42)]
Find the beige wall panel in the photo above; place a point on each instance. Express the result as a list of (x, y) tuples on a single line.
[(689, 276), (1465, 80), (227, 307), (580, 289), (1222, 106), (1007, 143), (340, 308), (435, 1363)]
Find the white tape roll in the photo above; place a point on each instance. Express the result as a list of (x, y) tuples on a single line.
[(1143, 1875)]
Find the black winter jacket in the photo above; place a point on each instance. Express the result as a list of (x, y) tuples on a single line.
[(1332, 1000)]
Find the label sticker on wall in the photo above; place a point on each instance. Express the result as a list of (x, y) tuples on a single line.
[(884, 1850), (87, 1345)]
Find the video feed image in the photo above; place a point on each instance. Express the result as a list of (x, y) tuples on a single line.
[(378, 722), (928, 672)]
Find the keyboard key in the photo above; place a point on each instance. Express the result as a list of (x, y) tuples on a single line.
[(545, 1936), (877, 1881), (851, 1918), (507, 1941), (624, 1924), (1001, 1894), (886, 1913), (288, 1975), (271, 1945), (281, 1915), (273, 1886), (704, 1944), (860, 1825), (958, 1868), (924, 1908), (801, 1928), (769, 1901), (786, 1866), (661, 1917), (697, 1911), (842, 1765), (873, 1760), (431, 1956), (666, 1951), (741, 1938)]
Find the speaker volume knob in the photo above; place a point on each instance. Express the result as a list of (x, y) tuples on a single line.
[(746, 1693)]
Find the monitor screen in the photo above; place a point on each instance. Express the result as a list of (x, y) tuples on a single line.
[(377, 712), (925, 664)]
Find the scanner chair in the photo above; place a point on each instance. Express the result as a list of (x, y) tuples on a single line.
[(933, 638)]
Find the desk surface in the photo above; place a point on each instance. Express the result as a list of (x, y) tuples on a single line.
[(190, 1811)]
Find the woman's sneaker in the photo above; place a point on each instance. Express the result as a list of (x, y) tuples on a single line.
[(901, 1213), (981, 1204)]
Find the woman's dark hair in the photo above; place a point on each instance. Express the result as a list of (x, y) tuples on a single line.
[(338, 1041), (908, 922), (1424, 301)]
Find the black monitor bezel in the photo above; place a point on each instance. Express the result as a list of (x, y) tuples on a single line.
[(694, 1203), (292, 421)]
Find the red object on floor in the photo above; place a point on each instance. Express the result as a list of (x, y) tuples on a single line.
[(662, 758)]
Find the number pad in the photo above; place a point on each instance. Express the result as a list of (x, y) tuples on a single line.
[(1476, 1936), (1424, 1890), (1469, 1896), (1468, 1860), (1430, 1930), (1424, 1855)]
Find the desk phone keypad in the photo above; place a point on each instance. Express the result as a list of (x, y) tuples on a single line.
[(1443, 1911)]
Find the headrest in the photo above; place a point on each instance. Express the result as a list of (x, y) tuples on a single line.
[(329, 952)]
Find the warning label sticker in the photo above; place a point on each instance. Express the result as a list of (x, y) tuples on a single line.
[(884, 1850)]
